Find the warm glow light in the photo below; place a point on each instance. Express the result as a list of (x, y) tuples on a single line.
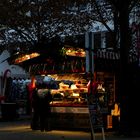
[(75, 52), (75, 94), (26, 57)]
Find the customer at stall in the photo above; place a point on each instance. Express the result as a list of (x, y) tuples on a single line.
[(35, 124), (41, 107)]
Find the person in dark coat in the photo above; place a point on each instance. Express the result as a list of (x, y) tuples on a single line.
[(45, 111), (35, 110), (41, 108)]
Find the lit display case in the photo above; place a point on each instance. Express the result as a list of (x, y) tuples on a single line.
[(69, 97), (69, 106)]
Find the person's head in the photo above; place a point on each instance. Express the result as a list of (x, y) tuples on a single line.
[(7, 73), (41, 86)]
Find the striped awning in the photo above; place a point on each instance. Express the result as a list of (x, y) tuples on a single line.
[(107, 54), (111, 55)]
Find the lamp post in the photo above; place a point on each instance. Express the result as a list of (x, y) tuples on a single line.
[(89, 45)]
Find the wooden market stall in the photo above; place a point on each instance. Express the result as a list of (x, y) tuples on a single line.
[(69, 106)]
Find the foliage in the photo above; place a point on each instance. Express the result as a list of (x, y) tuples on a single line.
[(31, 20)]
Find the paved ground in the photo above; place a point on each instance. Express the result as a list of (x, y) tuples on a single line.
[(20, 130)]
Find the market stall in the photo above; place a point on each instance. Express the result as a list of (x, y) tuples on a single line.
[(69, 106)]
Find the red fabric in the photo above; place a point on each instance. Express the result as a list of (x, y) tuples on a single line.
[(92, 87), (2, 98), (30, 89)]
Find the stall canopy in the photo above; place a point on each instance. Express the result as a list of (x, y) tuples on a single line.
[(70, 60)]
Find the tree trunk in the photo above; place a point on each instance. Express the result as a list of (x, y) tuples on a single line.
[(124, 70), (129, 119)]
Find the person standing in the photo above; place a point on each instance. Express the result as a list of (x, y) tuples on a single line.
[(45, 110), (7, 85), (30, 87), (41, 108), (35, 110)]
